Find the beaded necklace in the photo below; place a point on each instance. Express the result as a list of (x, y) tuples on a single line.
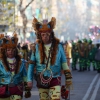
[(12, 64)]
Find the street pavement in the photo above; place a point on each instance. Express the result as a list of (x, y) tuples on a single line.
[(86, 86)]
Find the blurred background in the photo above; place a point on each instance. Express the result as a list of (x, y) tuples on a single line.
[(76, 19)]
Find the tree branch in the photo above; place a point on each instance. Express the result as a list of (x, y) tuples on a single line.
[(28, 5), (20, 4)]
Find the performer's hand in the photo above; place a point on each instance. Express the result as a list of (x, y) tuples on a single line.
[(30, 84)]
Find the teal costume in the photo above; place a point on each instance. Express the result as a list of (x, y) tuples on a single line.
[(13, 73), (49, 60), (56, 68), (5, 76)]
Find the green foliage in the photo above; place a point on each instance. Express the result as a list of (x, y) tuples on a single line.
[(7, 16), (4, 2)]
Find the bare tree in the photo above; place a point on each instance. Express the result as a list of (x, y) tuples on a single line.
[(23, 15)]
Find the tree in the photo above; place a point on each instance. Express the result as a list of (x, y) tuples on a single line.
[(7, 14), (23, 15)]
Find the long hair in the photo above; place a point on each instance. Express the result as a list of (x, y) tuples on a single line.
[(5, 62), (54, 46)]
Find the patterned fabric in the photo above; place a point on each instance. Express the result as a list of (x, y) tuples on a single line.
[(68, 77), (50, 94), (13, 97), (89, 63), (82, 62), (53, 82)]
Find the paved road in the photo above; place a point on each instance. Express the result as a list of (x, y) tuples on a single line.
[(86, 86)]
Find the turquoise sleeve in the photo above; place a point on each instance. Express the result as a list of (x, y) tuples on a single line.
[(30, 71), (63, 55)]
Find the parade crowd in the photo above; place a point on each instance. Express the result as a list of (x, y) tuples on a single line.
[(83, 54), (43, 62)]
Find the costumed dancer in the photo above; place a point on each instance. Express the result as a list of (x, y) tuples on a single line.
[(12, 71), (91, 55), (75, 55), (49, 59), (85, 44), (81, 51)]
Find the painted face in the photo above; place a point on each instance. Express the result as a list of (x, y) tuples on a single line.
[(10, 52), (45, 37)]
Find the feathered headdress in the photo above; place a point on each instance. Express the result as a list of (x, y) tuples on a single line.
[(11, 42), (44, 27)]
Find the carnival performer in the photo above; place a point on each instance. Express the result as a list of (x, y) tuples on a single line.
[(91, 55), (12, 70), (81, 51), (85, 44), (49, 59), (75, 55)]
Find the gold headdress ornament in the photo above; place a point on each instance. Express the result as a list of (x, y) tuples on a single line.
[(11, 42), (44, 27)]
